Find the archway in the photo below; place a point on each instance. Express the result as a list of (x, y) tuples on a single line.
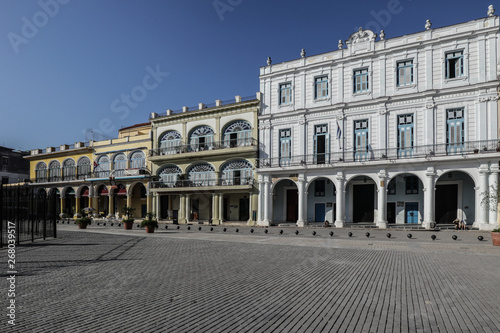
[(285, 201), (138, 199), (405, 199), (360, 198), (102, 200), (455, 197), (321, 198)]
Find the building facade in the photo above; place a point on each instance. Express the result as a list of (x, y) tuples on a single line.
[(104, 175), (204, 162), (399, 130), (13, 167)]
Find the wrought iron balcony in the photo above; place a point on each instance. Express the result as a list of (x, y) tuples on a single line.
[(202, 183), (207, 146), (367, 155)]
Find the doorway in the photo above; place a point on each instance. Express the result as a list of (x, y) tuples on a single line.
[(391, 212), (411, 212), (363, 203), (319, 212), (446, 203), (244, 214), (292, 205)]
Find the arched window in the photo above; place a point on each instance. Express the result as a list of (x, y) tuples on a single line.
[(201, 138), (84, 168), (119, 165), (237, 173), (202, 174), (54, 171), (69, 169), (137, 160), (238, 134), (169, 174), (103, 167), (41, 172), (170, 142)]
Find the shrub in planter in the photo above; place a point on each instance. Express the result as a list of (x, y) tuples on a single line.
[(83, 222), (149, 223), (128, 222)]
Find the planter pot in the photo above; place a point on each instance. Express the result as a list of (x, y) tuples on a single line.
[(128, 225), (150, 230), (82, 226), (495, 238)]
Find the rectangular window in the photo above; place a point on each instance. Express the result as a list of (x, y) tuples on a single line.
[(321, 144), (285, 93), (454, 64), (361, 140), (319, 188), (321, 87), (285, 146), (455, 131), (361, 80), (405, 135), (5, 163), (411, 185), (405, 73)]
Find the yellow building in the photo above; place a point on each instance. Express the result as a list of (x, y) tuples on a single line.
[(104, 175), (203, 160)]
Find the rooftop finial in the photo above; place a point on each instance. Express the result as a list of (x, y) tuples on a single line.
[(382, 35), (428, 25), (303, 53), (340, 45), (269, 61), (491, 11)]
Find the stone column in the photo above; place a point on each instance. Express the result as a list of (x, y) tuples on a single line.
[(215, 209), (301, 222), (250, 208), (493, 182), (260, 206), (382, 200), (267, 203), (77, 207), (188, 207), (157, 200), (340, 200), (63, 202), (482, 210), (149, 203), (429, 192), (182, 209), (111, 208), (221, 207)]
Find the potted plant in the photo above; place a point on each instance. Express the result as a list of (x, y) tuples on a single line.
[(128, 221), (149, 223), (495, 236), (83, 222)]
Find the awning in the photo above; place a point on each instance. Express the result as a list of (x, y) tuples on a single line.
[(85, 193)]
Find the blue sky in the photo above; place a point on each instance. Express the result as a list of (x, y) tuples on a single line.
[(69, 66)]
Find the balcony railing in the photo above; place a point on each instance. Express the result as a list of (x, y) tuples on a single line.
[(428, 151), (216, 145), (202, 183), (90, 175)]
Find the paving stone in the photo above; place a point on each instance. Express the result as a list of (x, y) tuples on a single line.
[(106, 279)]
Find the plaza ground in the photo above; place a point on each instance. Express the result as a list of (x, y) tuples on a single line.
[(106, 279)]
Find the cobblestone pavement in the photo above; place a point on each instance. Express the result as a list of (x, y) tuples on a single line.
[(105, 279)]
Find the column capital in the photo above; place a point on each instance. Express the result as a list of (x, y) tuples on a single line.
[(494, 168), (382, 174)]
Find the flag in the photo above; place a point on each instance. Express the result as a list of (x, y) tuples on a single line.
[(95, 165), (339, 131)]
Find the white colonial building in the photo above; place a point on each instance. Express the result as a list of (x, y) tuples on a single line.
[(399, 130)]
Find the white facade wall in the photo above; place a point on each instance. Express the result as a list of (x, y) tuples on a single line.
[(428, 98)]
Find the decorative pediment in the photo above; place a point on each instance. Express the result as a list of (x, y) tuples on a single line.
[(361, 40)]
